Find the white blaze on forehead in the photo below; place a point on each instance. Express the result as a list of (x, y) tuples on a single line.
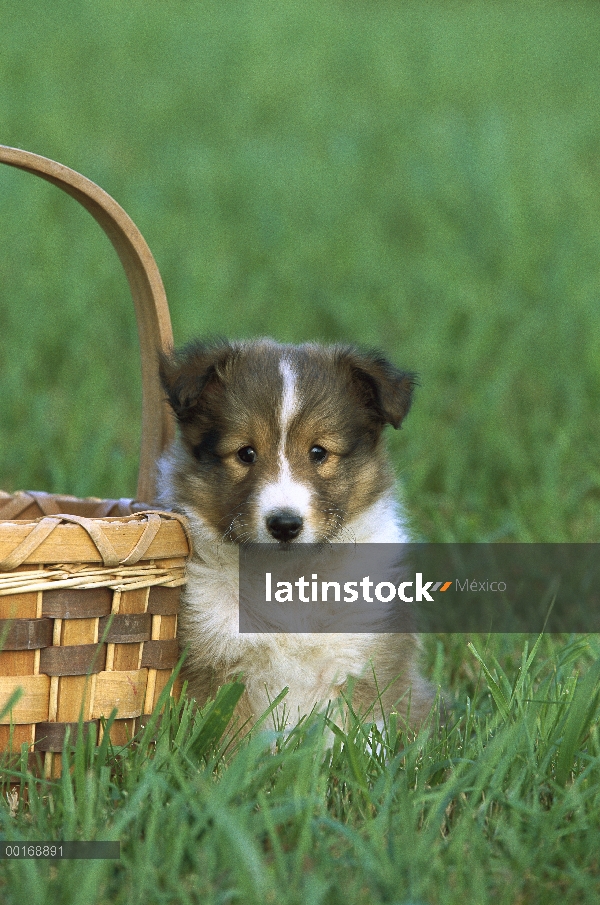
[(284, 492), (288, 398)]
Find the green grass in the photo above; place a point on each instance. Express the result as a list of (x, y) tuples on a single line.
[(500, 805), (419, 177)]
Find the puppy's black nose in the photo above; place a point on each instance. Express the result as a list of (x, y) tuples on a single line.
[(284, 525)]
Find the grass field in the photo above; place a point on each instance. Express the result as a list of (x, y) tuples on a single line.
[(423, 178)]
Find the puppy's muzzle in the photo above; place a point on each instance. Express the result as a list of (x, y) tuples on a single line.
[(284, 525)]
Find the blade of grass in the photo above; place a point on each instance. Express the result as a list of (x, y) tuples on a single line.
[(578, 719), (498, 695), (217, 719)]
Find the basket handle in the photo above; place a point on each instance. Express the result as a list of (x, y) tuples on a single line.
[(151, 309)]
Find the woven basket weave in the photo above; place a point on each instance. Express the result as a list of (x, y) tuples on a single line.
[(89, 588)]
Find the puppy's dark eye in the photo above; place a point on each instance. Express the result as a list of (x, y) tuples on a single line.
[(318, 454), (247, 455)]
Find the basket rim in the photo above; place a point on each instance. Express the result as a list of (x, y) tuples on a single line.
[(111, 540)]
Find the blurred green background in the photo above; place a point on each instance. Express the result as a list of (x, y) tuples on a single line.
[(420, 177)]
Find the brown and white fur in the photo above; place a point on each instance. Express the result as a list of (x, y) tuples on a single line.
[(282, 444)]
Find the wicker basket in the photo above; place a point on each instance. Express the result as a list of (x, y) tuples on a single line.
[(89, 589)]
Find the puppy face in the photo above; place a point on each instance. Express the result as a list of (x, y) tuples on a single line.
[(281, 443)]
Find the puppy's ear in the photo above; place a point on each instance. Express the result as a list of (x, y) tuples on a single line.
[(382, 388), (189, 374)]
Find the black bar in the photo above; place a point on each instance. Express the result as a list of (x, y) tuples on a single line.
[(420, 587), (59, 851)]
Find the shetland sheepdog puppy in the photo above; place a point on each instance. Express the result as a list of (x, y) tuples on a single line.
[(283, 444)]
